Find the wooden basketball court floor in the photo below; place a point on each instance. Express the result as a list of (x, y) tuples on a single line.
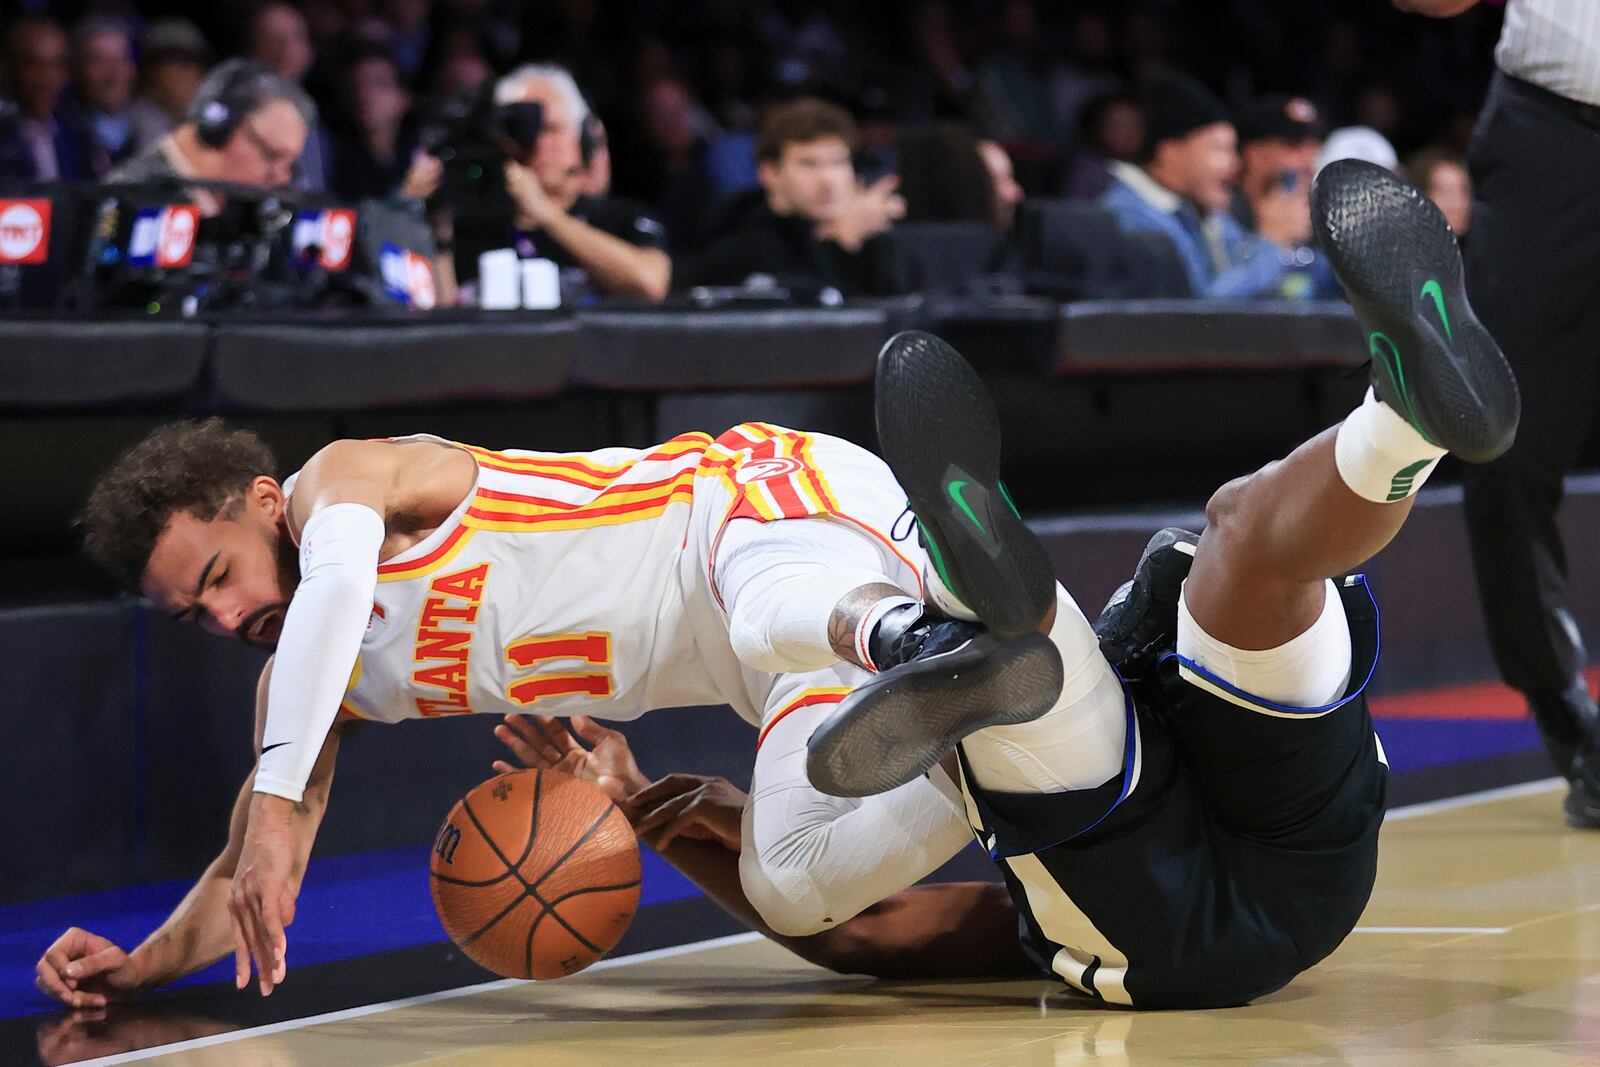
[(1481, 946)]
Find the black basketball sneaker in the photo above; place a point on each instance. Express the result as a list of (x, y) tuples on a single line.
[(940, 435), (1432, 360)]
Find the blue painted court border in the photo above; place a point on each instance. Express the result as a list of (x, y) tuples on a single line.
[(355, 905)]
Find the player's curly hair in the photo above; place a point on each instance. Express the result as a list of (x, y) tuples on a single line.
[(194, 467)]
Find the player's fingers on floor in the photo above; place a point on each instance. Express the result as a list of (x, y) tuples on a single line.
[(241, 953), (50, 983), (98, 962)]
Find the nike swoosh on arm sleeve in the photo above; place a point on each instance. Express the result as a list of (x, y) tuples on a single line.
[(322, 634)]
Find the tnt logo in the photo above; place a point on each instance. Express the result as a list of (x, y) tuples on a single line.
[(445, 845), (24, 231)]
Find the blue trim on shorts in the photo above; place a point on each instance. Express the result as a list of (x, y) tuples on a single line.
[(1350, 583)]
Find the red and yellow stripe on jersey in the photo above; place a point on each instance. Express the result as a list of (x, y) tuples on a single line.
[(768, 471), (771, 472), (805, 699)]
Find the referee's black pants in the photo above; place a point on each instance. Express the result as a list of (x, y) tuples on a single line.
[(1533, 275)]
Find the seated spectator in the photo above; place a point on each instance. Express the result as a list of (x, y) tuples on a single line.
[(1279, 138), (605, 246), (47, 139), (811, 224), (1008, 193), (1181, 189), (103, 74), (173, 60), (675, 131), (246, 125), (1111, 128), (1358, 142), (944, 176), (280, 40), (377, 155), (1444, 178)]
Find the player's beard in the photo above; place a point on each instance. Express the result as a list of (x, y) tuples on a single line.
[(288, 560)]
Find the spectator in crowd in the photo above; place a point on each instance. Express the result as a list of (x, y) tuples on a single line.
[(1358, 142), (1279, 138), (605, 246), (944, 177), (103, 75), (246, 125), (676, 131), (47, 139), (280, 40), (174, 59), (411, 34), (457, 66), (378, 156), (1182, 188), (1007, 193), (1111, 130), (1444, 178), (811, 224)]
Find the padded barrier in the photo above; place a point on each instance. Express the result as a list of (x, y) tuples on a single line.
[(330, 367), (675, 350), (1153, 336), (79, 365)]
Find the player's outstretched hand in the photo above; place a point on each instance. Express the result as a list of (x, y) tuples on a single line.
[(84, 970), (542, 743), (689, 805), (261, 899)]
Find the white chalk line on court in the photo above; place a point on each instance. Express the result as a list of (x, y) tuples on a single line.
[(1431, 930), (1410, 811), (407, 1002)]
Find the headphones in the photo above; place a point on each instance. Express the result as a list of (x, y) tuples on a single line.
[(231, 92), (591, 135)]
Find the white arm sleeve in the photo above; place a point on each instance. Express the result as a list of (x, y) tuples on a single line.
[(321, 639)]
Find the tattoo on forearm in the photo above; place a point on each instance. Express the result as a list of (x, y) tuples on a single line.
[(847, 616)]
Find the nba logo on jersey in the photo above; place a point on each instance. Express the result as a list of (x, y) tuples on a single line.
[(760, 470)]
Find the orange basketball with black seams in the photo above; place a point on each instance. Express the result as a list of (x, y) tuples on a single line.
[(535, 874)]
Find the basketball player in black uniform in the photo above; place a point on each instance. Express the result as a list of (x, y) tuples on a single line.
[(1227, 839)]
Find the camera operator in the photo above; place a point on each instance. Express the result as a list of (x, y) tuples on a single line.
[(604, 245), (246, 125)]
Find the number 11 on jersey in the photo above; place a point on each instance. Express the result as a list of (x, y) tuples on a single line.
[(592, 648)]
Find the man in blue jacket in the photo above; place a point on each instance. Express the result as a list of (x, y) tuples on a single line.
[(1181, 188)]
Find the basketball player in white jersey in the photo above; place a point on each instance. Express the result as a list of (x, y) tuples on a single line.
[(1053, 759)]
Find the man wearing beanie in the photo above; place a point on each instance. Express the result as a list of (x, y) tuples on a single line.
[(1181, 188), (1279, 137)]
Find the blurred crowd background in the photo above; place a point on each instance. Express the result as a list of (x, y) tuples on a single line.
[(720, 139)]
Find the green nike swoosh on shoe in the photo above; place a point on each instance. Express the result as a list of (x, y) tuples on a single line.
[(1431, 288), (1390, 356), (955, 489)]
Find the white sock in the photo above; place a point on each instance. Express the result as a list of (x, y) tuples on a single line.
[(1380, 455)]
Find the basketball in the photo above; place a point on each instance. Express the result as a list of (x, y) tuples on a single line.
[(535, 874)]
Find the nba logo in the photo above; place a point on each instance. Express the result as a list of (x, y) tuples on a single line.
[(407, 277), (24, 231), (331, 233), (164, 237)]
